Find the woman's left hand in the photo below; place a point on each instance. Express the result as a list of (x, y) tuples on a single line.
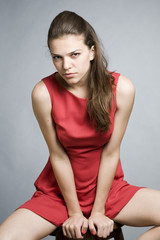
[(100, 224)]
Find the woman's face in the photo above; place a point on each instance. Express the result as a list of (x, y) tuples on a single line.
[(72, 58)]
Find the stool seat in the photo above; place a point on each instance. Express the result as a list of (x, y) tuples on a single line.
[(117, 234)]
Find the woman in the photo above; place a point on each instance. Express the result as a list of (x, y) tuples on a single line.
[(83, 111)]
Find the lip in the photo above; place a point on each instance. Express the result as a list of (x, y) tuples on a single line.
[(69, 75)]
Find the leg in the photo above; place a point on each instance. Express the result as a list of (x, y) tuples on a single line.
[(26, 225), (143, 210)]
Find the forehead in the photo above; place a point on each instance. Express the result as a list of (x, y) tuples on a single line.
[(67, 43)]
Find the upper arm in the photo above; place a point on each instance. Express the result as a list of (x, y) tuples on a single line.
[(125, 98), (42, 108)]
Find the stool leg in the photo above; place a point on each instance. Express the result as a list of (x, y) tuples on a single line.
[(119, 234)]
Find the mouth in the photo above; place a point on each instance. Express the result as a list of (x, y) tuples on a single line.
[(69, 75)]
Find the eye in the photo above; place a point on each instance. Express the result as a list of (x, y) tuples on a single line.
[(56, 57), (75, 54)]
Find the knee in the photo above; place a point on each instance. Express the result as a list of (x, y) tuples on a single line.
[(9, 235), (156, 220), (5, 236)]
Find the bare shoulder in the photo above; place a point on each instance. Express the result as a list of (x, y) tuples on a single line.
[(125, 91), (40, 92), (41, 101), (125, 85)]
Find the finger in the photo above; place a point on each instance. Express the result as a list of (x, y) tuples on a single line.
[(78, 234), (108, 229), (112, 226), (105, 232), (84, 227), (64, 230), (92, 227), (100, 229), (67, 231), (68, 234), (72, 231)]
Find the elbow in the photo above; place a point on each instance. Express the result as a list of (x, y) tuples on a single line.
[(54, 157), (112, 153)]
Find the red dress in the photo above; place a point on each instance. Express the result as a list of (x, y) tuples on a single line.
[(84, 146)]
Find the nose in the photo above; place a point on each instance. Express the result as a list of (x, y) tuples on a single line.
[(66, 63)]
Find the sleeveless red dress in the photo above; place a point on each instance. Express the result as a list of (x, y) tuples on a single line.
[(84, 146)]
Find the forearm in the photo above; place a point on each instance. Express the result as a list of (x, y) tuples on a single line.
[(107, 169), (64, 175)]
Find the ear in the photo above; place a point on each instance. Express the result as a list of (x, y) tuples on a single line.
[(92, 53)]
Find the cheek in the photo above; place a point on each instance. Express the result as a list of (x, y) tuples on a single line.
[(84, 62), (57, 65)]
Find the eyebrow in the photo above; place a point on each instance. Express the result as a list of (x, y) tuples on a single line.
[(55, 54)]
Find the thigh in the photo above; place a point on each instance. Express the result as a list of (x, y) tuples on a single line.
[(142, 210), (24, 224)]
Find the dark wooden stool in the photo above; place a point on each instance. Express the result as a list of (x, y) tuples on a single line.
[(117, 234)]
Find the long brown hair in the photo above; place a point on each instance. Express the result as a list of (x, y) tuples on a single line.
[(100, 81)]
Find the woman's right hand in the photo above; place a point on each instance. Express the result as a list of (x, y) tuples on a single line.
[(75, 226)]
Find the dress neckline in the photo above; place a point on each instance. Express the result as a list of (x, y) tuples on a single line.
[(83, 99)]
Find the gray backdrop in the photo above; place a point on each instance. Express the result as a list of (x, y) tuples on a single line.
[(129, 30)]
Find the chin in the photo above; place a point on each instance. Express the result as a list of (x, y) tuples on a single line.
[(71, 80)]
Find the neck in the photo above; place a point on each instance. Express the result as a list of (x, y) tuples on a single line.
[(80, 89)]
